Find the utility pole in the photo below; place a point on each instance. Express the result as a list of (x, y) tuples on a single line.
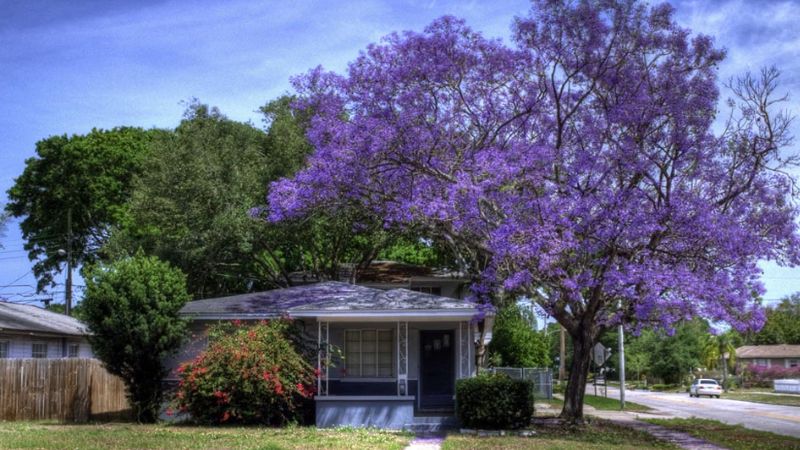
[(562, 363), (68, 287), (621, 340)]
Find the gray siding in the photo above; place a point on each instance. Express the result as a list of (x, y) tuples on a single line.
[(20, 346), (391, 414)]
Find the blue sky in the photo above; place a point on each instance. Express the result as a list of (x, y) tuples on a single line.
[(68, 67)]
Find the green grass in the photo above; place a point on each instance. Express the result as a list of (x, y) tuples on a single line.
[(734, 437), (598, 435), (612, 404), (598, 402), (760, 397), (124, 436)]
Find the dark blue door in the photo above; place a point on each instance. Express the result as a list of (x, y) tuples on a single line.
[(437, 370)]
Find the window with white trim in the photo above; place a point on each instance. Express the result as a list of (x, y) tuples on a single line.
[(760, 362), (39, 350), (4, 348), (792, 363), (369, 353), (72, 350)]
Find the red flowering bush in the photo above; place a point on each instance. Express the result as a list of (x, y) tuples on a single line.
[(248, 374), (760, 376)]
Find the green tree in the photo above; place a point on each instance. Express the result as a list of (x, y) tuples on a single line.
[(515, 342), (638, 354), (72, 192), (131, 308), (783, 323), (189, 205), (286, 136), (192, 204), (678, 354), (714, 350), (4, 216)]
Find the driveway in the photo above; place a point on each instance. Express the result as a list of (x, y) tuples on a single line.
[(758, 416)]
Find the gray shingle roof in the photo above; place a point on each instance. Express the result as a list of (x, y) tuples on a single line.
[(329, 296), (27, 318)]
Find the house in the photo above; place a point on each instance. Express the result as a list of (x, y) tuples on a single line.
[(403, 350), (31, 332), (387, 275), (785, 356)]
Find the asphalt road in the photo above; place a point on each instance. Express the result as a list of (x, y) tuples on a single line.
[(777, 419)]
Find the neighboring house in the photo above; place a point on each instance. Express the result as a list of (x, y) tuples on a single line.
[(393, 275), (32, 332), (404, 350), (769, 355)]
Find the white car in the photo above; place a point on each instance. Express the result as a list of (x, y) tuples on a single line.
[(705, 386)]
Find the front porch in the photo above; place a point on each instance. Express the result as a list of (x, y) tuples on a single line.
[(391, 374)]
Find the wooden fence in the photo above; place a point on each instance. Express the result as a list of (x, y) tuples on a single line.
[(68, 390)]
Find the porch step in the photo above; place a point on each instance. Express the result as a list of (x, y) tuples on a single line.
[(431, 424)]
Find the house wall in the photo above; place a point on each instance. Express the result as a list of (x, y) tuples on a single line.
[(771, 362), (197, 342), (21, 345)]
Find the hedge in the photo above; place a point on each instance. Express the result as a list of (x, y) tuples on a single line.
[(494, 401)]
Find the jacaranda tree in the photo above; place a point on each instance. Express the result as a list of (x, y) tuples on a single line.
[(580, 163)]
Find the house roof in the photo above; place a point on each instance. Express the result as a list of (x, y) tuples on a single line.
[(32, 319), (389, 273), (326, 299), (768, 351)]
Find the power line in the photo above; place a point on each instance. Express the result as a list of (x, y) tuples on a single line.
[(21, 277)]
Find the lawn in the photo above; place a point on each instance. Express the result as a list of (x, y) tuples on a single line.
[(612, 404), (734, 437), (601, 403), (599, 435), (124, 436), (763, 397)]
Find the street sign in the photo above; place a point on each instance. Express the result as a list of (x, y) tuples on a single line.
[(600, 354)]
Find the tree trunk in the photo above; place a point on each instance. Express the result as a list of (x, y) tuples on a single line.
[(576, 385)]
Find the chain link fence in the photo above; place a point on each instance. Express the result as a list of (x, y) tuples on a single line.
[(542, 378)]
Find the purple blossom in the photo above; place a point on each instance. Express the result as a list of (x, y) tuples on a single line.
[(580, 162)]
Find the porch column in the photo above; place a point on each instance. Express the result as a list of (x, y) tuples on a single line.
[(323, 357), (463, 349), (402, 358)]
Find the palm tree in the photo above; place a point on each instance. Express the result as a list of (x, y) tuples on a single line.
[(715, 349)]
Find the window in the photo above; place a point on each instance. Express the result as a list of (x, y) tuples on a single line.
[(4, 347), (38, 350), (762, 362), (434, 290), (72, 350), (368, 353), (792, 363)]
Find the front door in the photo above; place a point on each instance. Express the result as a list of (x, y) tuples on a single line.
[(437, 370)]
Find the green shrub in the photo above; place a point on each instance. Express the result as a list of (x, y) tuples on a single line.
[(131, 307), (665, 387), (494, 401), (248, 374)]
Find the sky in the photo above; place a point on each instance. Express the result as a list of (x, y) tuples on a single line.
[(68, 67)]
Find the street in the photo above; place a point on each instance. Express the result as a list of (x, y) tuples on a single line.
[(777, 419)]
